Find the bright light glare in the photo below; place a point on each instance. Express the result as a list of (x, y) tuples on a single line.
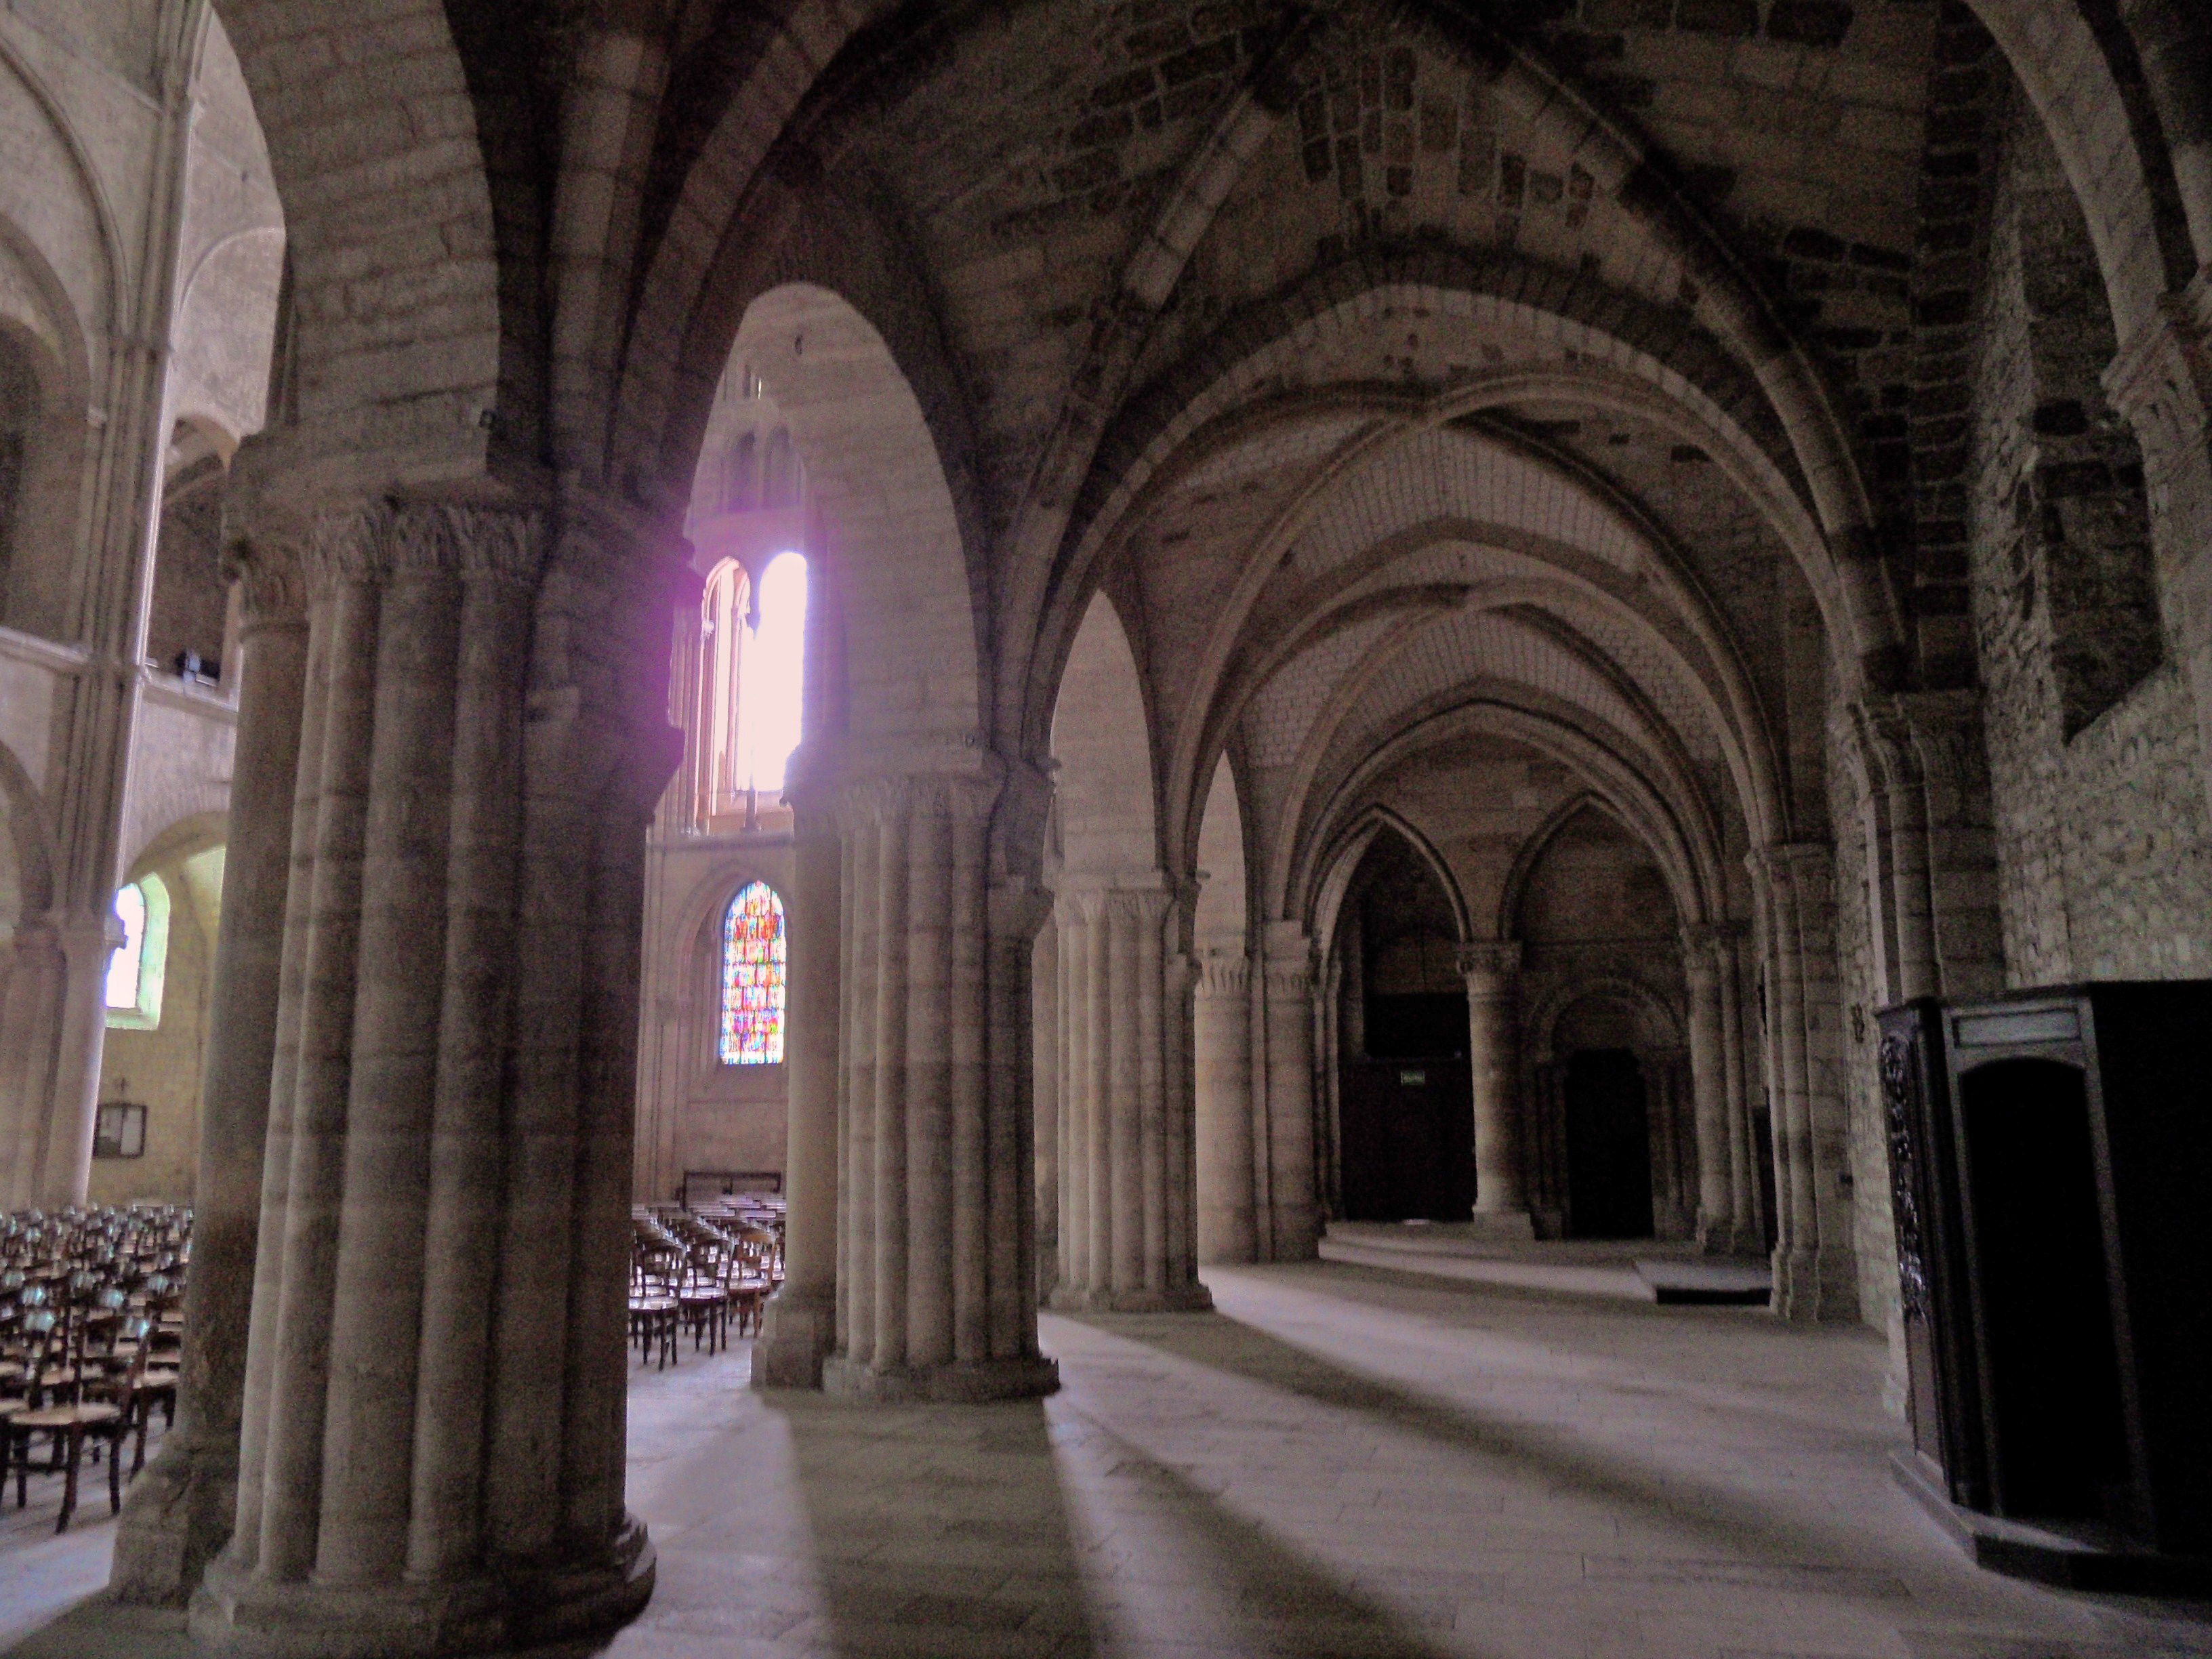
[(769, 676), (129, 956)]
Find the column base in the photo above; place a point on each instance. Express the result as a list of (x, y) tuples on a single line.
[(1026, 1378), (488, 1611), (1811, 1288), (1195, 1298), (1505, 1226), (795, 1337), (1721, 1236), (177, 1516)]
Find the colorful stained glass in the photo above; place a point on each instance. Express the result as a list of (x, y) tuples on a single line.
[(752, 978)]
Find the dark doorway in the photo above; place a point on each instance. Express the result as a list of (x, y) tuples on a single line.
[(2051, 1386), (1408, 1139), (1608, 1147)]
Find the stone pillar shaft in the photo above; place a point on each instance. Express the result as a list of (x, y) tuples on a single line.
[(431, 1457), (1494, 1065), (1743, 1168), (926, 1223), (1293, 1215), (1708, 1097), (1127, 1243), (800, 1325), (1222, 1044), (1813, 1276), (180, 1514), (1045, 1094)]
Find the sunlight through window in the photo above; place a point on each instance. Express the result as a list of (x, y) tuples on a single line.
[(769, 676), (123, 967)]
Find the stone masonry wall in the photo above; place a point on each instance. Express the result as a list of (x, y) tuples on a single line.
[(2091, 742)]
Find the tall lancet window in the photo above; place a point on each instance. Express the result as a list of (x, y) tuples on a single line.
[(752, 656), (768, 687), (752, 978), (723, 626)]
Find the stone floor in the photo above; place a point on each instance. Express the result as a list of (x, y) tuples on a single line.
[(1340, 1462)]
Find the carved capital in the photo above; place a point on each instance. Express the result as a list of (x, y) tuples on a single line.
[(1489, 964), (1225, 976), (401, 537), (272, 580), (964, 797), (344, 548)]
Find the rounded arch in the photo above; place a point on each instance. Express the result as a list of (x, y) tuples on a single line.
[(1102, 745), (225, 335), (2141, 242), (179, 839), (1627, 744), (421, 381), (1653, 366), (45, 372), (1544, 1017), (79, 226), (1385, 420), (894, 538)]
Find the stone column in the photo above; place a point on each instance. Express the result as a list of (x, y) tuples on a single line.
[(431, 1450), (179, 1514), (1222, 1044), (926, 1223), (1501, 1193), (1044, 1095), (1743, 1142), (1715, 1221), (1813, 1277), (799, 1327), (1294, 1229), (1123, 1099)]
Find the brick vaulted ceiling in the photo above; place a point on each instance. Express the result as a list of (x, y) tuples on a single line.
[(1371, 355)]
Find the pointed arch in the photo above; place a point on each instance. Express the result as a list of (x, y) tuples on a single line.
[(1531, 853), (1101, 743), (894, 541), (1343, 856)]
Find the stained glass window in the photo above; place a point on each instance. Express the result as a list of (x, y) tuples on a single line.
[(752, 978)]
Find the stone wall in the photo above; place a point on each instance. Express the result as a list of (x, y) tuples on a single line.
[(1873, 1233), (2092, 745)]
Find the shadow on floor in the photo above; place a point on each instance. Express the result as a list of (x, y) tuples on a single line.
[(1278, 1604), (936, 1530), (1692, 1374), (1737, 1527)]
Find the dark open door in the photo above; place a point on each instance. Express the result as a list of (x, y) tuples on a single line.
[(1608, 1147), (1408, 1130), (2049, 1363)]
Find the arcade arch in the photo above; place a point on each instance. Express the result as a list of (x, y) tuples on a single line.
[(1532, 433)]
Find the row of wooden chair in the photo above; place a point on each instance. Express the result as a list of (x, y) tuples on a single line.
[(689, 1275), (91, 1318)]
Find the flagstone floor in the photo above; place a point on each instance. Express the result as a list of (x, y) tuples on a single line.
[(1340, 1462)]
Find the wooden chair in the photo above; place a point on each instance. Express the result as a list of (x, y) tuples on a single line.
[(654, 1313), (70, 1423)]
